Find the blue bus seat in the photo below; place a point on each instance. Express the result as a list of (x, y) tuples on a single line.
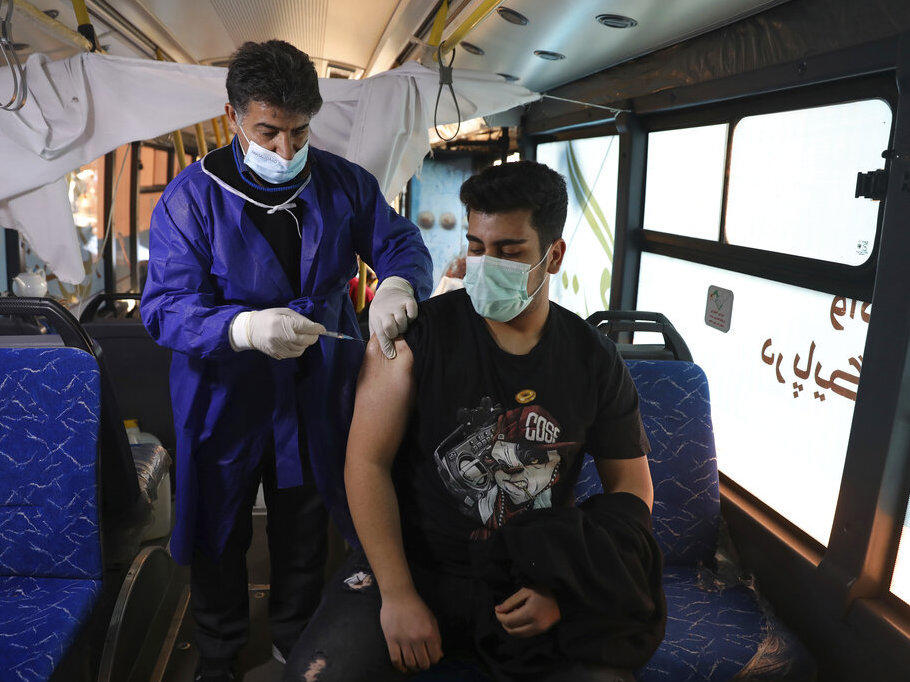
[(717, 628), (50, 547)]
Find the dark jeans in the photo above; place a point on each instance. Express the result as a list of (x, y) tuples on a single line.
[(297, 522), (344, 641)]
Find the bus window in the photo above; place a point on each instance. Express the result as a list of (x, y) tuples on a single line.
[(900, 580), (591, 167), (793, 180), (685, 183), (783, 380)]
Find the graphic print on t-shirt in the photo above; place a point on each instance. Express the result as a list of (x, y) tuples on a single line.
[(499, 463)]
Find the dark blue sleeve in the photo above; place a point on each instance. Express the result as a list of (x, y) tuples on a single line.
[(180, 306), (389, 243)]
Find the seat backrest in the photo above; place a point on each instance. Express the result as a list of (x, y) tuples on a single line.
[(676, 413), (139, 370), (49, 418)]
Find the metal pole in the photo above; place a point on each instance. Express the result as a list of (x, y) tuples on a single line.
[(201, 145), (219, 136), (228, 136), (633, 142), (361, 297), (135, 153), (107, 207), (13, 256)]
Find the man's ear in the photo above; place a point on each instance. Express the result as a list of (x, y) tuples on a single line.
[(559, 251), (231, 114)]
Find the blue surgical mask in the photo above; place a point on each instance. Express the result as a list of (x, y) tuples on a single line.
[(498, 288), (271, 166)]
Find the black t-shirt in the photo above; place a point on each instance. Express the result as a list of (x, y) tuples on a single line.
[(494, 434), (278, 228)]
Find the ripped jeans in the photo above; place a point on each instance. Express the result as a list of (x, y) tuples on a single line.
[(344, 641)]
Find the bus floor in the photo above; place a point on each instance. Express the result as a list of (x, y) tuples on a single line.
[(177, 662)]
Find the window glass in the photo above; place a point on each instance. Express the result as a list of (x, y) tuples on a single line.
[(685, 181), (86, 189), (86, 194), (152, 177), (900, 580), (439, 213), (793, 180), (783, 380), (590, 167)]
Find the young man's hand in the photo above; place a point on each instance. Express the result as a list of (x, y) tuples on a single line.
[(411, 632), (528, 612)]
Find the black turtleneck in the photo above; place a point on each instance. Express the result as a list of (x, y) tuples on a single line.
[(278, 228)]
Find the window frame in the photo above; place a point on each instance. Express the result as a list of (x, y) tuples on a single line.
[(855, 281)]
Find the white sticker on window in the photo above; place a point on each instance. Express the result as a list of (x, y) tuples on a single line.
[(719, 308)]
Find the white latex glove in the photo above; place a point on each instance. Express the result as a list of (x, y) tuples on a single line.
[(278, 332), (393, 307)]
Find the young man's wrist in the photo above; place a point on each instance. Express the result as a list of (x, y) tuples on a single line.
[(397, 589)]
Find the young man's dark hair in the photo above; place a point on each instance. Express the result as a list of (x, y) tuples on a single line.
[(521, 185), (274, 72)]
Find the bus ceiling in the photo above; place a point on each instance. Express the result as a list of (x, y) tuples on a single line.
[(541, 44)]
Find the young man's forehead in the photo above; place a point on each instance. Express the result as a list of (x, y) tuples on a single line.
[(490, 228)]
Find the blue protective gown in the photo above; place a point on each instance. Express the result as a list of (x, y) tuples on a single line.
[(208, 262)]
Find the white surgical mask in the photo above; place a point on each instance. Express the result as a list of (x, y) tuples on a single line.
[(271, 166), (498, 288)]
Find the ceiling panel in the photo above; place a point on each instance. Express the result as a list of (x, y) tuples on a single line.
[(571, 28)]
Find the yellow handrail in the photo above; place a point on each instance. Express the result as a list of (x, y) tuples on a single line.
[(361, 297), (201, 145), (227, 128), (478, 15), (59, 29), (219, 136), (439, 23), (84, 23)]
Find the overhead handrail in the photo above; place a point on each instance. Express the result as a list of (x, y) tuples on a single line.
[(8, 50), (483, 10), (84, 24), (59, 30)]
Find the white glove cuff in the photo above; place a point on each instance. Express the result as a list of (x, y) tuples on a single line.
[(396, 282), (239, 332)]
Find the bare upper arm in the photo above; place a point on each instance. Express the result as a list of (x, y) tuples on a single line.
[(627, 475), (385, 394)]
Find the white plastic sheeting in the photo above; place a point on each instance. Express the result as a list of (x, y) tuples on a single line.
[(87, 105)]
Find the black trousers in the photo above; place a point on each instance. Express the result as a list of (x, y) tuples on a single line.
[(297, 522), (344, 641)]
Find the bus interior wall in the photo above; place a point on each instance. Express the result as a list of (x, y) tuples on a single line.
[(836, 599)]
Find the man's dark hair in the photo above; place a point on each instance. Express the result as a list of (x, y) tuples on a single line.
[(274, 72), (521, 185)]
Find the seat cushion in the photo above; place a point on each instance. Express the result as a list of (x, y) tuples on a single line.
[(39, 620), (716, 632)]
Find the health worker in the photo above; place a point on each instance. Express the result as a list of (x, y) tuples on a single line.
[(251, 251)]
